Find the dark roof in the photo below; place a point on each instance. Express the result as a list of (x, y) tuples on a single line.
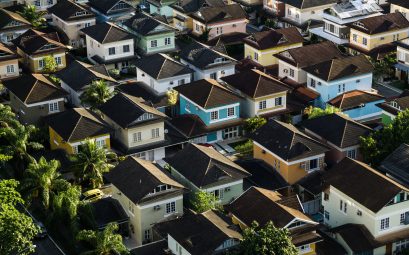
[(7, 16), (403, 3), (313, 182), (34, 88), (402, 103), (125, 109), (304, 4), (397, 164), (154, 248), (212, 14), (210, 166), (207, 93), (340, 68), (287, 141), (310, 54), (144, 24), (227, 39), (33, 41), (106, 33), (255, 83), (66, 10), (108, 210), (381, 24), (272, 38), (329, 246), (136, 178), (7, 53), (337, 129), (374, 193), (105, 6), (142, 90), (77, 124), (353, 99), (159, 66), (88, 73), (357, 237), (189, 6)]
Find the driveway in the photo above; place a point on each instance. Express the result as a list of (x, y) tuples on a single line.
[(46, 246), (386, 91)]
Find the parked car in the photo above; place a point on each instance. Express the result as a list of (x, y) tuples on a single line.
[(92, 195)]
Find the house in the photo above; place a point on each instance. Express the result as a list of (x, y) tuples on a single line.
[(41, 5), (262, 94), (217, 107), (366, 210), (147, 194), (33, 97), (336, 76), (110, 45), (393, 106), (70, 17), (263, 206), (206, 62), (206, 233), (275, 8), (161, 7), (290, 152), (88, 73), (33, 46), (402, 56), (359, 105), (218, 20), (261, 46), (162, 73), (291, 62), (396, 164), (111, 10), (374, 34), (309, 191), (71, 128), (340, 133), (12, 25), (139, 129), (337, 17), (9, 66), (401, 6), (152, 35)]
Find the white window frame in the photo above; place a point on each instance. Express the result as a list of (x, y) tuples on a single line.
[(137, 137), (262, 105), (214, 115), (167, 41), (111, 51), (384, 224), (231, 111), (53, 107), (154, 43), (170, 207), (155, 133)]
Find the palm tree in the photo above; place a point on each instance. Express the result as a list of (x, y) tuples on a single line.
[(7, 116), (66, 202), (33, 16), (91, 162), (96, 94), (105, 242)]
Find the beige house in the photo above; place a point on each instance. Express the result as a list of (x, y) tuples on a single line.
[(9, 67), (12, 25), (401, 6)]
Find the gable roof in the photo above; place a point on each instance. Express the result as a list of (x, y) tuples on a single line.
[(7, 16), (340, 68), (67, 10), (396, 164), (106, 33), (304, 4), (374, 193), (338, 129), (144, 24), (287, 141), (207, 93), (354, 98), (159, 66), (402, 103), (255, 83), (210, 167), (189, 6), (104, 6), (382, 23), (6, 53), (34, 88), (212, 14), (136, 178), (272, 38), (357, 237), (33, 41)]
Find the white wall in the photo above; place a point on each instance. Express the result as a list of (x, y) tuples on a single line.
[(102, 50), (163, 85), (220, 71)]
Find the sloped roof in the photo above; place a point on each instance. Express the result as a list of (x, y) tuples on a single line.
[(382, 23), (106, 33), (272, 38), (159, 66), (354, 98), (403, 3), (7, 16), (144, 24), (33, 41), (7, 53), (189, 6), (104, 6), (396, 164), (357, 237), (304, 4), (212, 14), (66, 10)]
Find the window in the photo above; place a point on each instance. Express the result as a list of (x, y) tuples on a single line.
[(75, 149), (404, 218), (58, 60), (219, 30), (181, 81), (137, 137), (126, 48), (230, 111), (218, 194), (278, 101), (147, 235), (231, 132), (10, 69), (155, 133), (171, 207), (256, 56), (313, 164), (41, 63), (326, 196), (292, 73), (342, 206), (37, 3), (214, 115), (88, 24), (100, 143), (351, 154), (50, 2), (53, 107), (364, 41), (326, 215), (384, 223), (167, 41), (197, 27), (187, 106), (355, 38), (262, 105), (304, 248), (154, 43), (111, 51), (312, 84), (213, 76)]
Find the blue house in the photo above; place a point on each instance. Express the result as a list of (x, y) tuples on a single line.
[(339, 75), (208, 112), (111, 10)]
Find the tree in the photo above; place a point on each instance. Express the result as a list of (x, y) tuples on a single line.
[(314, 112), (50, 65), (9, 194), (172, 96), (7, 116), (202, 201), (91, 162), (270, 23), (245, 149), (105, 242), (267, 240), (252, 124), (96, 94), (36, 18), (383, 67), (66, 202)]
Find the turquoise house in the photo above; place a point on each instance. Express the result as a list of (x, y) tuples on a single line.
[(161, 7)]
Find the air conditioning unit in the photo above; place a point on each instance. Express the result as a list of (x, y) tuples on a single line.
[(166, 131), (285, 70), (156, 208), (359, 213), (227, 189), (319, 83)]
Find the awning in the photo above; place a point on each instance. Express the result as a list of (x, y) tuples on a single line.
[(402, 67)]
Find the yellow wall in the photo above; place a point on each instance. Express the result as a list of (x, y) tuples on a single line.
[(265, 57), (376, 40), (188, 23), (32, 61)]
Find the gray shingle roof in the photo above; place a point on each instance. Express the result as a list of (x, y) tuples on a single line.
[(397, 164), (8, 16), (381, 24), (106, 33), (214, 14), (66, 10), (33, 41), (159, 66), (104, 6), (143, 24), (354, 98), (304, 4)]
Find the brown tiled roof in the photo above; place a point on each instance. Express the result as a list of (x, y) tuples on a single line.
[(357, 237), (273, 38), (33, 41), (354, 98), (66, 10), (304, 4), (212, 14), (382, 23), (7, 53), (7, 16)]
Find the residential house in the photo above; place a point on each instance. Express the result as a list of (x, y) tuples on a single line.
[(110, 45), (291, 62), (393, 106), (161, 7), (396, 164), (33, 46), (218, 20), (33, 97), (261, 46), (213, 172), (262, 94), (152, 35), (70, 17), (290, 152), (148, 195), (41, 5), (275, 8), (340, 133), (367, 211), (359, 105), (263, 206), (9, 66), (309, 190), (217, 107), (401, 6), (12, 25), (162, 73), (337, 17), (402, 56), (111, 10), (336, 76), (206, 62), (71, 128), (374, 35), (139, 129), (88, 73)]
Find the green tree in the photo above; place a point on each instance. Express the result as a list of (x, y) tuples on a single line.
[(9, 194), (202, 201), (96, 94), (105, 242), (172, 96), (245, 149), (36, 18), (270, 23), (314, 112), (252, 124), (66, 202), (267, 240), (7, 116), (50, 65), (383, 67), (91, 162)]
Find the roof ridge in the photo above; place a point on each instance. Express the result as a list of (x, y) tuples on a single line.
[(32, 88), (107, 31), (160, 70), (258, 83), (343, 132), (76, 125), (210, 92)]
